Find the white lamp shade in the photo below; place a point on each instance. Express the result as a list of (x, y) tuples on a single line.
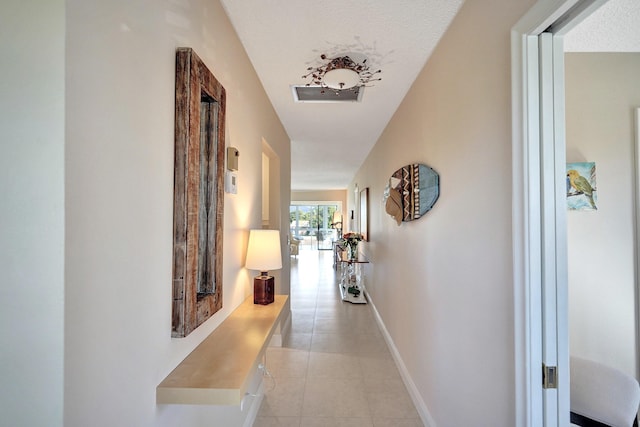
[(341, 78), (263, 252), (337, 217)]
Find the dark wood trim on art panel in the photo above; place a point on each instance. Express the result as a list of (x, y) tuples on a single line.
[(198, 193)]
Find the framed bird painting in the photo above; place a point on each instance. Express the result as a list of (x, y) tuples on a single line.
[(581, 186)]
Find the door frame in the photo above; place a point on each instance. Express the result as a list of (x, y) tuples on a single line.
[(539, 228)]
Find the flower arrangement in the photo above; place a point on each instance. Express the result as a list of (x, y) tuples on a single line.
[(351, 239)]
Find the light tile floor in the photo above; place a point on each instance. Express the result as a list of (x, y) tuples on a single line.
[(335, 369)]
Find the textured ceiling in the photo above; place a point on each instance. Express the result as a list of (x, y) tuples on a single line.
[(614, 27), (329, 142)]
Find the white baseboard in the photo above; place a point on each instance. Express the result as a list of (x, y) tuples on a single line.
[(421, 407)]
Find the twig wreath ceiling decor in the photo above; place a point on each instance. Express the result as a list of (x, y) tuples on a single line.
[(198, 194), (342, 73)]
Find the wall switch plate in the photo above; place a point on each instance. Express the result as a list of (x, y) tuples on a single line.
[(231, 182)]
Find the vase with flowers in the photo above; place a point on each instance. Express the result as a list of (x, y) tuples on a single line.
[(350, 241)]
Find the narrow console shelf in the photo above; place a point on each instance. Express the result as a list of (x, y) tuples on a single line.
[(351, 283), (219, 370), (352, 297)]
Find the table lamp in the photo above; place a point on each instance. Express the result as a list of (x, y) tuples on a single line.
[(337, 223), (263, 254)]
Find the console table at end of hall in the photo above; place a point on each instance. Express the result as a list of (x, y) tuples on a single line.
[(351, 283)]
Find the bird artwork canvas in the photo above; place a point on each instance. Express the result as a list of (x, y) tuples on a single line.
[(581, 186)]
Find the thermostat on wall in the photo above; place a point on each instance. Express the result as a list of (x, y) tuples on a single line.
[(231, 182), (232, 158)]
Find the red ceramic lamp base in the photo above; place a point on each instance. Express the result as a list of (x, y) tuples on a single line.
[(263, 289)]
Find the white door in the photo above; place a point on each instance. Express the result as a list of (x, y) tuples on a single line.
[(540, 253), (544, 259), (555, 341)]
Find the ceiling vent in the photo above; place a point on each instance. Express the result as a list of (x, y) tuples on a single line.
[(324, 94)]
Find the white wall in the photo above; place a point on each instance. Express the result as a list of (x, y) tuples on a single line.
[(443, 284), (31, 212), (323, 195), (119, 207), (602, 91)]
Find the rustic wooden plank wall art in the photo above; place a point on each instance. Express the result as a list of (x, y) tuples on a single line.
[(198, 194)]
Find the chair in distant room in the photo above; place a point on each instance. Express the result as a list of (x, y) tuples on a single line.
[(602, 395), (294, 247)]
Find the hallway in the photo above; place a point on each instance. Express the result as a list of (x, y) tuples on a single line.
[(335, 369)]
